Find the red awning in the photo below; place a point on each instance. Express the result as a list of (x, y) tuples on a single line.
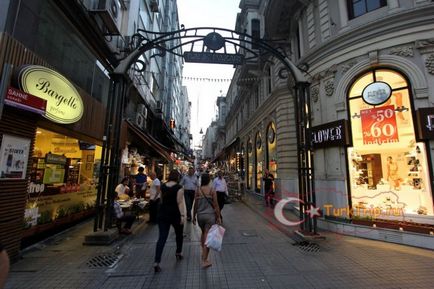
[(151, 141)]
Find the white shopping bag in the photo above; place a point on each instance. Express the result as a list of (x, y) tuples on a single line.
[(214, 238)]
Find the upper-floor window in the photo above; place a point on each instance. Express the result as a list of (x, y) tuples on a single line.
[(256, 32), (357, 8)]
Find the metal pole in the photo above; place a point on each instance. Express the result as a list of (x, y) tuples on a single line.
[(105, 158), (119, 92)]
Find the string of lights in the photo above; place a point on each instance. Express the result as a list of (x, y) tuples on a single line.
[(209, 79), (213, 79)]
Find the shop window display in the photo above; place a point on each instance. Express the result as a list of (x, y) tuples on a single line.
[(271, 149), (259, 162), (250, 163), (388, 167), (63, 177)]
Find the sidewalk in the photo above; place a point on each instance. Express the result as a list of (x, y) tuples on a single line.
[(257, 253)]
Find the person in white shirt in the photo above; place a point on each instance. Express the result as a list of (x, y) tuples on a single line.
[(220, 186), (190, 184), (155, 195), (122, 189)]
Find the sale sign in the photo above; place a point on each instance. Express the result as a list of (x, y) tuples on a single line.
[(379, 125)]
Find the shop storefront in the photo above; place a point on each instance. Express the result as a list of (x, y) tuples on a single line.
[(51, 132), (63, 178), (143, 150), (250, 162), (388, 163), (271, 153), (259, 157)]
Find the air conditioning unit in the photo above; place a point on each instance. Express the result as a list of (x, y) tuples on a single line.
[(140, 121), (109, 11), (153, 5), (142, 110)]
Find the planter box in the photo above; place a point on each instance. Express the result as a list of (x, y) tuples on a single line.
[(387, 225), (417, 229), (57, 223), (363, 222)]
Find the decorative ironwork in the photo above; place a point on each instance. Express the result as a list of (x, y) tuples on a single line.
[(210, 40)]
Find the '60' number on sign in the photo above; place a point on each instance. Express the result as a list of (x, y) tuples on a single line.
[(379, 125), (379, 128)]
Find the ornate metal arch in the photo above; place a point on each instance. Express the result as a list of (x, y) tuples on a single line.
[(210, 40), (225, 39)]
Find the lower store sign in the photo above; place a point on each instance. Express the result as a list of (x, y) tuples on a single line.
[(14, 154), (379, 125)]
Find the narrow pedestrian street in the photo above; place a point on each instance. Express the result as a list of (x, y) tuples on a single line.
[(256, 254)]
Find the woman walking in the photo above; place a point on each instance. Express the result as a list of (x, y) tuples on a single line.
[(206, 210), (171, 213)]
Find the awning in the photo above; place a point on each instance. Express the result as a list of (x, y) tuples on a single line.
[(151, 141), (218, 156), (226, 149), (231, 143)]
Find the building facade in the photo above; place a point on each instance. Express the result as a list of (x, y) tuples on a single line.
[(369, 65), (56, 60)]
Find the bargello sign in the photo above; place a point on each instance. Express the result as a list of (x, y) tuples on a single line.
[(329, 134), (64, 104)]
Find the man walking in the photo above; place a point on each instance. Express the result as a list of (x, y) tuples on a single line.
[(190, 183), (220, 186), (154, 198)]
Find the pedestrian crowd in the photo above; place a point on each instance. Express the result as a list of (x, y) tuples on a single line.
[(193, 197)]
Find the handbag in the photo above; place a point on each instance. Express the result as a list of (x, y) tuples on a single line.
[(209, 202), (214, 239)]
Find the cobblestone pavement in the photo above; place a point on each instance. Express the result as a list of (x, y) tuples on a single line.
[(256, 254)]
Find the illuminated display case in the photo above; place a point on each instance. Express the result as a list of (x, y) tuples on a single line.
[(388, 167), (61, 165)]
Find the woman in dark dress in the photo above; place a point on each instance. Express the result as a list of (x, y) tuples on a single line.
[(171, 213)]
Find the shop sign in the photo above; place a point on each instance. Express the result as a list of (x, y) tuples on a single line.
[(379, 125), (330, 134), (425, 122), (14, 155), (376, 93), (211, 57), (64, 104), (20, 99), (55, 159)]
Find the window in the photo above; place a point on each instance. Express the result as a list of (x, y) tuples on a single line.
[(357, 8), (298, 52), (256, 32), (388, 167), (268, 80)]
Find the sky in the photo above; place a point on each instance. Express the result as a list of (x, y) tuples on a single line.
[(203, 94)]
